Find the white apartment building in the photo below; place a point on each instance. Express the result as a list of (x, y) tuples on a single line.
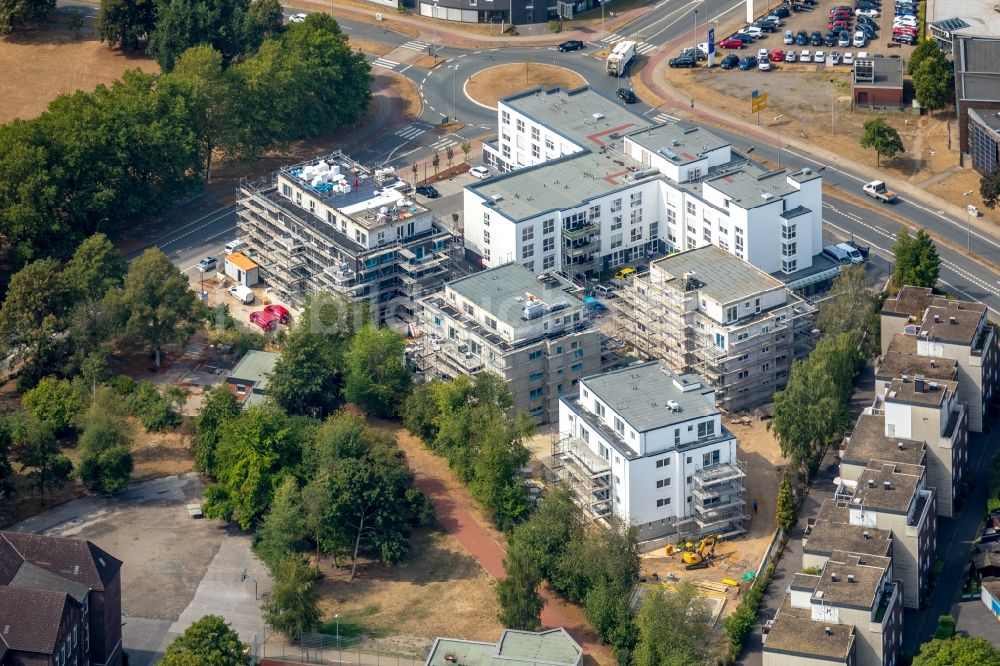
[(529, 330), (705, 311), (648, 446), (608, 188)]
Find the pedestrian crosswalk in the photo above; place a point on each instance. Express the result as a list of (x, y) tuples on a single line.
[(443, 143), (385, 62), (663, 118), (642, 48), (415, 45), (410, 132)]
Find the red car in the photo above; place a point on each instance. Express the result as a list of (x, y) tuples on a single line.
[(278, 311), (777, 55), (732, 44), (836, 26), (265, 320), (840, 14)]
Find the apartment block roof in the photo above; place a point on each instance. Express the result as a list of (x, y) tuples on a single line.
[(680, 142), (897, 497), (920, 391), (31, 618), (952, 321), (901, 358), (75, 560), (795, 632), (868, 441), (836, 587), (515, 648), (828, 536), (835, 511), (718, 274), (582, 115), (909, 301), (504, 292), (642, 394), (754, 186)]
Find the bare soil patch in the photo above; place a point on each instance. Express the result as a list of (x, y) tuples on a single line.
[(39, 65), (489, 85), (370, 47)]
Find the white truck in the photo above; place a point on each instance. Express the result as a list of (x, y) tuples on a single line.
[(620, 57), (877, 190)]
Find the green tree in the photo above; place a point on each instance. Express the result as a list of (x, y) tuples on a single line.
[(95, 324), (436, 161), (466, 149), (37, 299), (209, 641), (218, 408), (15, 13), (126, 23), (293, 607), (377, 377), (106, 460), (7, 486), (263, 19), (674, 628), (53, 402), (852, 307), (517, 593), (159, 304), (251, 459), (420, 410), (881, 137), (75, 21), (989, 188), (926, 49), (945, 627), (282, 532), (39, 454), (958, 651), (933, 82), (784, 514), (181, 24), (917, 261), (95, 268)]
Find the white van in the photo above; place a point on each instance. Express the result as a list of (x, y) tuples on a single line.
[(853, 254), (235, 245), (242, 294), (859, 40)]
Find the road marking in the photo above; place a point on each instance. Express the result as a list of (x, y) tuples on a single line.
[(645, 47), (663, 118), (443, 143), (410, 132), (383, 62), (405, 68), (415, 45)]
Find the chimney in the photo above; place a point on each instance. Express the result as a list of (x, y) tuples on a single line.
[(833, 576), (866, 535), (952, 320), (871, 483), (850, 578), (827, 630), (937, 319), (887, 485), (933, 363), (899, 446), (918, 383)]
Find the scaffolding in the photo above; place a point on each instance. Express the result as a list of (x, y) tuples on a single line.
[(718, 499), (589, 476), (659, 318)]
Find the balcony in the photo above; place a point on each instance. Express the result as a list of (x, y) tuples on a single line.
[(581, 232), (716, 474), (883, 603)]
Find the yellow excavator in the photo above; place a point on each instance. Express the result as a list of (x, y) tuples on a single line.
[(698, 558)]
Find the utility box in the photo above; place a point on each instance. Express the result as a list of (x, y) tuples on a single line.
[(241, 269)]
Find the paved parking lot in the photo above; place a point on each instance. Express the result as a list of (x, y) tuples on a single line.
[(175, 569)]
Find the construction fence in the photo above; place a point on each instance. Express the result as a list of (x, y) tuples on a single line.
[(315, 648)]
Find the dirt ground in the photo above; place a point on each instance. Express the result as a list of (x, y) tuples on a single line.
[(489, 85), (407, 598), (39, 65), (371, 47)]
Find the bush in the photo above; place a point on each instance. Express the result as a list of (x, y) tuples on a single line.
[(555, 26), (421, 507), (945, 627), (240, 338), (812, 571), (123, 385), (53, 402), (154, 411)]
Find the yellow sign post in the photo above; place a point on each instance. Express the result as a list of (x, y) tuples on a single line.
[(758, 103)]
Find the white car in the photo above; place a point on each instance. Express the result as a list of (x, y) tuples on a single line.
[(762, 54), (297, 18), (870, 13), (819, 57), (805, 56), (764, 65), (862, 55), (755, 33), (480, 172), (905, 20), (790, 56), (835, 58), (848, 58), (859, 39), (789, 38)]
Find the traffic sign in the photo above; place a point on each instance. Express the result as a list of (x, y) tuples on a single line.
[(711, 40), (758, 103)]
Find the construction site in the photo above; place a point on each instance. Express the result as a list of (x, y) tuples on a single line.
[(707, 312)]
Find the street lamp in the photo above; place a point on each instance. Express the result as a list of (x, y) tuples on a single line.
[(454, 93), (776, 119), (201, 294), (968, 218), (696, 36), (434, 21)]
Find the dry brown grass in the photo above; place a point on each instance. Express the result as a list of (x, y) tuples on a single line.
[(428, 62), (489, 85), (39, 65), (371, 47), (407, 92)]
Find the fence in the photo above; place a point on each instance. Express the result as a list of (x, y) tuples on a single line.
[(769, 553), (325, 649)]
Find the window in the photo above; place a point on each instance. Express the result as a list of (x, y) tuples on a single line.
[(742, 374), (662, 462), (538, 353), (530, 265), (663, 502), (616, 205), (505, 117), (616, 222), (599, 408), (585, 434), (677, 436), (548, 226), (548, 244), (527, 234), (616, 241), (594, 212), (636, 234), (636, 216), (535, 150), (548, 262), (548, 144), (710, 458), (789, 249), (765, 367), (619, 426), (538, 412), (788, 232), (535, 134), (789, 266), (691, 208), (286, 191), (578, 353), (635, 199), (732, 314), (536, 376), (536, 393), (576, 367), (486, 238), (520, 125), (663, 483), (706, 429), (720, 341), (739, 243), (706, 233), (528, 251)]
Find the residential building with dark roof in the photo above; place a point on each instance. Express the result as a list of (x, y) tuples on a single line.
[(948, 329), (827, 536), (878, 83), (67, 593), (708, 312), (248, 379), (648, 446)]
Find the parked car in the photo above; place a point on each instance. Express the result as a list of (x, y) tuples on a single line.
[(428, 191), (781, 12), (848, 58), (790, 56), (789, 37), (777, 55), (242, 293), (805, 56), (843, 38), (909, 40), (819, 56), (571, 45), (745, 38), (278, 311), (761, 53), (868, 22), (816, 39), (626, 95), (208, 263), (870, 13), (297, 18), (481, 172), (696, 53), (682, 61), (801, 38), (732, 43), (831, 38), (265, 320), (859, 39), (837, 26), (834, 57), (730, 61), (764, 65), (748, 62), (753, 31)]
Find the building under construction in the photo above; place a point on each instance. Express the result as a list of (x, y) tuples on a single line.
[(330, 224), (708, 312)]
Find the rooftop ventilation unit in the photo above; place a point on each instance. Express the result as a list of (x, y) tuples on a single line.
[(766, 195), (871, 483), (598, 116), (850, 578), (887, 485), (533, 310), (673, 405), (833, 576), (827, 631), (866, 536)]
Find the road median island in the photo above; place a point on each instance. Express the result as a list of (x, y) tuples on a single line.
[(488, 86)]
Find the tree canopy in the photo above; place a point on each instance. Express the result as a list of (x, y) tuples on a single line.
[(881, 137), (916, 260), (293, 606), (674, 628), (15, 14), (989, 188), (161, 307), (209, 641), (377, 377), (126, 23), (958, 651)]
